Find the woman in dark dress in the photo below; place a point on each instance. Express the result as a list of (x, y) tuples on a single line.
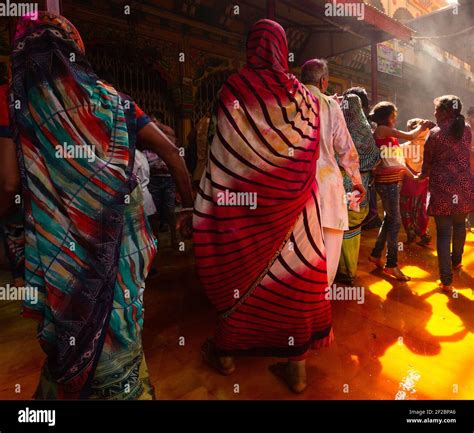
[(446, 162)]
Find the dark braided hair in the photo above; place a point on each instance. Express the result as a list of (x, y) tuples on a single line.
[(362, 94), (381, 112), (452, 105)]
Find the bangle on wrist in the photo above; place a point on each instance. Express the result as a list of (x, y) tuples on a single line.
[(187, 209)]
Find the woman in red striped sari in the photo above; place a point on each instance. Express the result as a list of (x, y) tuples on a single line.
[(259, 249)]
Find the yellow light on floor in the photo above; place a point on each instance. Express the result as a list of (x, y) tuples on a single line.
[(446, 375), (442, 321), (414, 272), (381, 288)]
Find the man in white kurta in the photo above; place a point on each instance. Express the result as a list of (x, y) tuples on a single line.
[(335, 139)]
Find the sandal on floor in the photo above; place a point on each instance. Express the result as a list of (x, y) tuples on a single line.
[(411, 237), (397, 273), (457, 267), (296, 383), (377, 261), (425, 241), (446, 289), (224, 365)]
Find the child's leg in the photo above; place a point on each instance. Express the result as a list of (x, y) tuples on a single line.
[(393, 217), (382, 236)]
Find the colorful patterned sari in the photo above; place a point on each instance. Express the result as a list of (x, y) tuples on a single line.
[(414, 207), (264, 269), (414, 193), (88, 246), (369, 156)]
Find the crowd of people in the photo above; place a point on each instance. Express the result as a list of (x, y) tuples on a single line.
[(82, 235)]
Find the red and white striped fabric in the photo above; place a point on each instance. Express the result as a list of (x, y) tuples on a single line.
[(263, 266)]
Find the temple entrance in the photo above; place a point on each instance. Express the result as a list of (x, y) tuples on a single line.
[(135, 78)]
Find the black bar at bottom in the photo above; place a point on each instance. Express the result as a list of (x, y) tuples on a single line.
[(237, 416)]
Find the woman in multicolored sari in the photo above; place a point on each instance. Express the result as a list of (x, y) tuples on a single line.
[(88, 244), (259, 248), (369, 156)]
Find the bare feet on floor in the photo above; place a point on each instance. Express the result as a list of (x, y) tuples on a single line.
[(293, 373), (377, 261), (396, 273), (225, 365), (446, 288)]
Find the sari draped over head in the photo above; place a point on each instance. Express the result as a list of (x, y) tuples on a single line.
[(369, 156), (361, 133), (88, 246), (259, 250)]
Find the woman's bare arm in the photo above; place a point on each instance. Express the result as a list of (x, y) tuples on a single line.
[(383, 131), (152, 138), (9, 175)]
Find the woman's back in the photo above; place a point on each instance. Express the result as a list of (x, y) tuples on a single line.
[(447, 160), (452, 156), (88, 245)]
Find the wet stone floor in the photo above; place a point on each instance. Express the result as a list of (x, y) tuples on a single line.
[(405, 341)]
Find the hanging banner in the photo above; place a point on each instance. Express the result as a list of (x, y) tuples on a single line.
[(389, 60)]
